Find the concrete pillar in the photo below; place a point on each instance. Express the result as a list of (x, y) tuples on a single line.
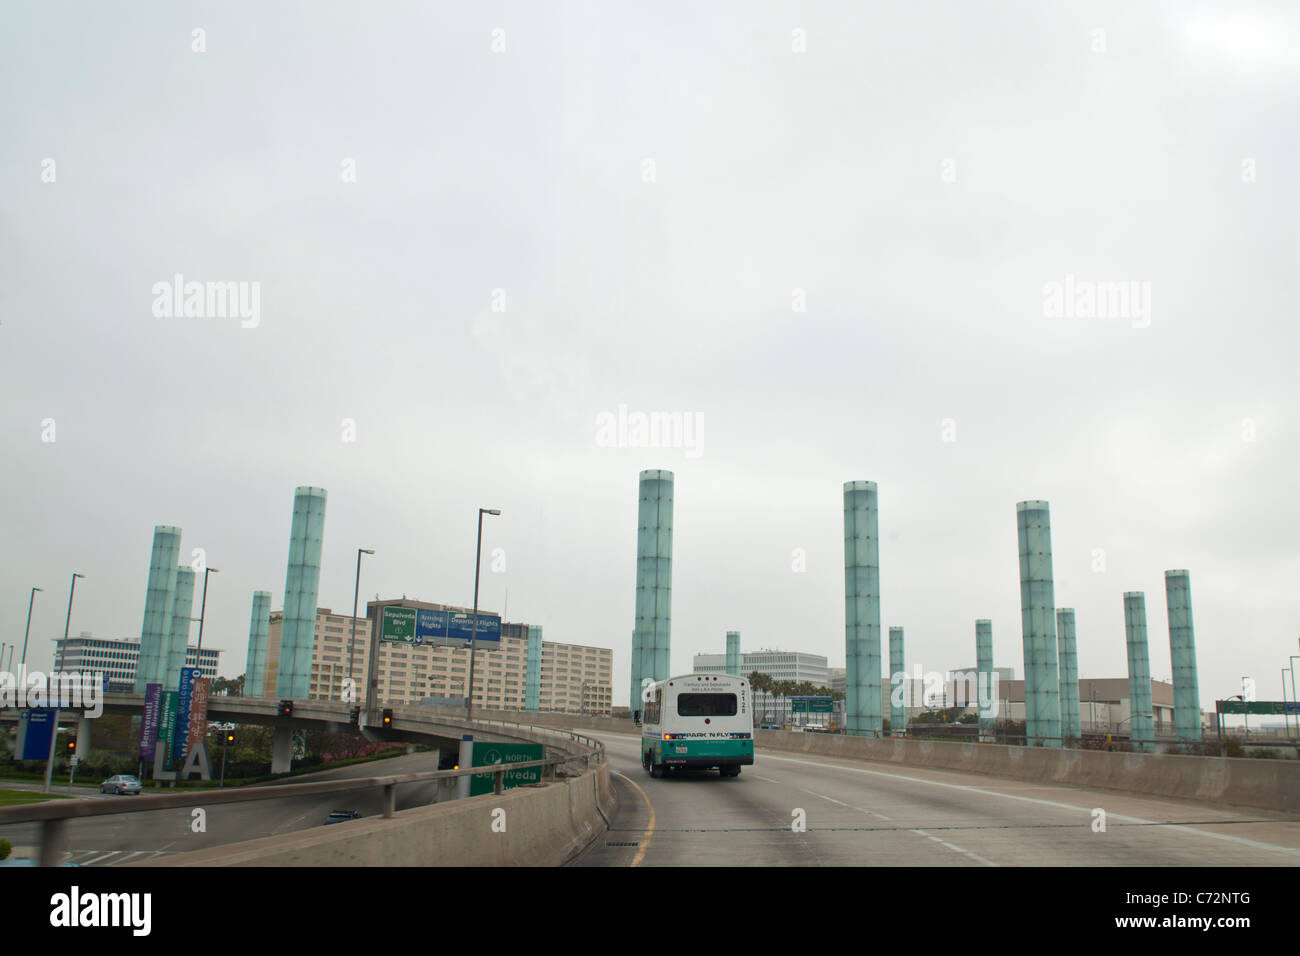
[(1038, 625), (178, 633), (466, 760), (733, 653), (1139, 670), (1182, 654), (259, 626), (897, 682), (533, 670), (302, 579), (1069, 662), (281, 748), (84, 725), (651, 641), (152, 665), (984, 676), (862, 711)]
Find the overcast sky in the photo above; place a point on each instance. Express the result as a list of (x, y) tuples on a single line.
[(827, 235)]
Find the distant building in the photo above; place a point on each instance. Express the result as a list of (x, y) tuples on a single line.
[(333, 655), (117, 658), (575, 679), (794, 666), (1103, 702)]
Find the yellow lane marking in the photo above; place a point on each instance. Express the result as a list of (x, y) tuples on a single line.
[(650, 830)]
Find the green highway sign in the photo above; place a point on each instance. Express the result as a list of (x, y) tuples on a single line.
[(1265, 707), (489, 753), (397, 624), (813, 705)]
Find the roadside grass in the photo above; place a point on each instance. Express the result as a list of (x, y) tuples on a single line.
[(14, 798)]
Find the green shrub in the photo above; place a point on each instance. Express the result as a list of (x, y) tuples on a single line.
[(5, 849)]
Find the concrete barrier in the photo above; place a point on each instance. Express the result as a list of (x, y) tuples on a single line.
[(543, 825), (1236, 781)]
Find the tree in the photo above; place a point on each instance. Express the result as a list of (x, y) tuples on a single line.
[(228, 686)]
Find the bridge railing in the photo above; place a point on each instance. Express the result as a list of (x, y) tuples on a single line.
[(54, 816)]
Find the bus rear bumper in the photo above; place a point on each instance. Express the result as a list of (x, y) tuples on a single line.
[(706, 763)]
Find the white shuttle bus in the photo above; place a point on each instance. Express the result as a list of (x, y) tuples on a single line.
[(697, 722)]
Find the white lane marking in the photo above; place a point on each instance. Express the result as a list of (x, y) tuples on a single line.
[(71, 858), (765, 779), (1087, 811), (951, 846), (104, 857), (872, 813), (129, 855)]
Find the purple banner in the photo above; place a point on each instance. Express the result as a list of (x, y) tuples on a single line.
[(149, 726)]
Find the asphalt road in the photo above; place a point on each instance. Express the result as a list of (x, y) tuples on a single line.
[(139, 837), (859, 813)]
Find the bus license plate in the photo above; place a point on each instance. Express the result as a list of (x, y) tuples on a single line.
[(681, 749)]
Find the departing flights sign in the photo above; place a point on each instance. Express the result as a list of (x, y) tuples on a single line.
[(409, 625)]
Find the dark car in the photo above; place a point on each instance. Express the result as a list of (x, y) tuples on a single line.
[(122, 783), (339, 816)]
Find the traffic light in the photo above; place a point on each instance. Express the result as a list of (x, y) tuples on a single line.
[(388, 717), (286, 708), (230, 737), (72, 745)]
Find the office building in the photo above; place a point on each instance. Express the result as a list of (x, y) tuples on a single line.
[(118, 658)]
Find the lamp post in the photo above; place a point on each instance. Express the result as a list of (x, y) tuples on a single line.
[(203, 607), (22, 664), (473, 633), (68, 620), (355, 596), (1294, 698)]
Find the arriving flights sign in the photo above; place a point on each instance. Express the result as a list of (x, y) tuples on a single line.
[(409, 625)]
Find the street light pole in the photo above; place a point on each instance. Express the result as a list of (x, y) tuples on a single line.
[(356, 594), (67, 621), (202, 611), (22, 664), (473, 633)]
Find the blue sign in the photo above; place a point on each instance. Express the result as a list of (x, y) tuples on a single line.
[(181, 741), (35, 732), (430, 626), (460, 628)]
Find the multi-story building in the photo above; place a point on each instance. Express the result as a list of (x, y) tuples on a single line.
[(574, 678), (333, 657), (1104, 703), (837, 679), (779, 665), (118, 657)]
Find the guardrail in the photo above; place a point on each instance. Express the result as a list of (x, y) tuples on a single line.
[(53, 816)]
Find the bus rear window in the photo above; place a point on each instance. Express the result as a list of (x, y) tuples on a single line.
[(706, 705)]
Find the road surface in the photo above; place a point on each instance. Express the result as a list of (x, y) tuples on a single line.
[(859, 813)]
